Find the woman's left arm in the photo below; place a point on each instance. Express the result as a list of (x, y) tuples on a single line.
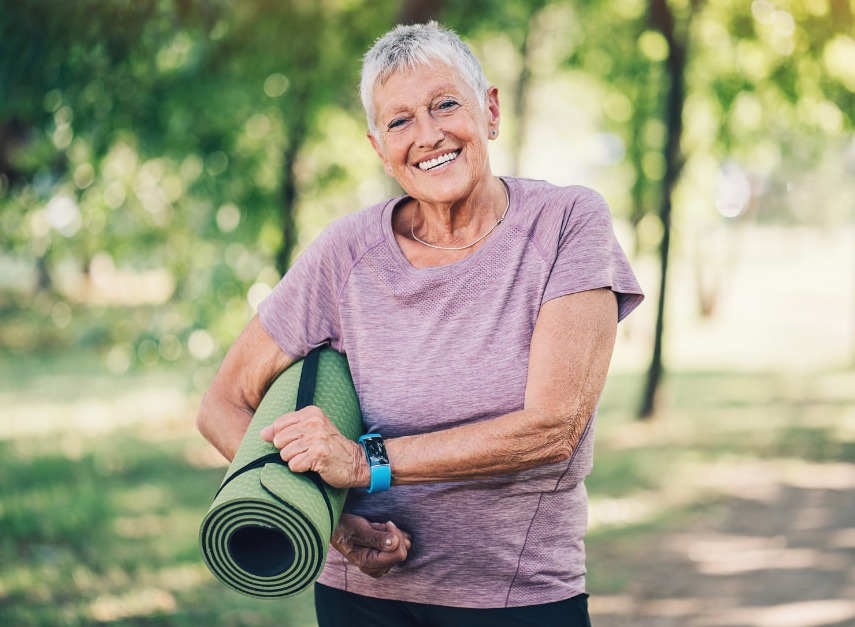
[(571, 348)]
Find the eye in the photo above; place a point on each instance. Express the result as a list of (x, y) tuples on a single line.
[(447, 104), (396, 124)]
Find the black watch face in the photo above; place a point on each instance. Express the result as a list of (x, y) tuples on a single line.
[(376, 451)]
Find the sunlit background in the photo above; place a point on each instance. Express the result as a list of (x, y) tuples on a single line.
[(162, 162)]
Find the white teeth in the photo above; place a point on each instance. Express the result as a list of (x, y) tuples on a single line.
[(432, 163)]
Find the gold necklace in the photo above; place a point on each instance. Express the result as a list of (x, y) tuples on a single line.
[(471, 244)]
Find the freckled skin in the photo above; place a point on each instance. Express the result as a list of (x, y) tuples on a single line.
[(425, 113)]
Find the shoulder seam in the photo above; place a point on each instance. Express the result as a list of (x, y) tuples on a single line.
[(529, 235), (538, 247), (353, 264)]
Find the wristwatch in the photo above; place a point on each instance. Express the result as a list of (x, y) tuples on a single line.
[(378, 462)]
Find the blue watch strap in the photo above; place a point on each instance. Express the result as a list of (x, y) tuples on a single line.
[(378, 462)]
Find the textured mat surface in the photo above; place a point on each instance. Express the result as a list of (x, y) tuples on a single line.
[(268, 529)]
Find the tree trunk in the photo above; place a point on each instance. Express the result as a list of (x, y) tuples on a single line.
[(419, 11), (12, 135), (521, 101), (638, 209), (662, 20), (296, 136)]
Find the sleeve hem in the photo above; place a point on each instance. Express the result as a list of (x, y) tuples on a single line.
[(627, 300)]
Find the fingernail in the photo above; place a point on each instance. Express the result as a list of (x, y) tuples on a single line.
[(388, 541)]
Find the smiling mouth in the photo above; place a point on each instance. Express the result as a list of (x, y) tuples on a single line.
[(430, 164)]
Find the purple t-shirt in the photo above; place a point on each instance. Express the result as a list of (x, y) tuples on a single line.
[(437, 347)]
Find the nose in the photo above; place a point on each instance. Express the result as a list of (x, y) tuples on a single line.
[(428, 131)]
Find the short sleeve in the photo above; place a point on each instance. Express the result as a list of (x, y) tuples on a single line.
[(301, 313), (589, 256)]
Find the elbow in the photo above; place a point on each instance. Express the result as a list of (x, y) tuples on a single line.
[(553, 446), (560, 450), (201, 423), (565, 434), (203, 419)]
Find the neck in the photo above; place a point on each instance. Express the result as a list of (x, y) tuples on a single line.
[(461, 222)]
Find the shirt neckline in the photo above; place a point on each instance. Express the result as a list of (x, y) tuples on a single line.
[(454, 266)]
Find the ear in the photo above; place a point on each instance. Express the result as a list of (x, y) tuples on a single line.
[(378, 148), (493, 110)]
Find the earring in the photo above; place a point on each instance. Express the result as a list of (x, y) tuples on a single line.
[(492, 133)]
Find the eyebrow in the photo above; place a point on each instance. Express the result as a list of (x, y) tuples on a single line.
[(447, 89)]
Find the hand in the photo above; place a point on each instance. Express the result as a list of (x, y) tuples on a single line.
[(308, 440), (374, 548)]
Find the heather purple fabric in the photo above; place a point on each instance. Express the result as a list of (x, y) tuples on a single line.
[(437, 347)]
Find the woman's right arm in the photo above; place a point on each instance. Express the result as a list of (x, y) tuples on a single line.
[(250, 366)]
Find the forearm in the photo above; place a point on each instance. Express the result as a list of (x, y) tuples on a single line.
[(504, 445), (571, 350), (251, 364), (222, 424)]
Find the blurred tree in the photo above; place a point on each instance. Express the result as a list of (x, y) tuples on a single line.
[(325, 42), (52, 55), (676, 37), (188, 138), (767, 72), (419, 11), (518, 23), (757, 80), (644, 72), (157, 134)]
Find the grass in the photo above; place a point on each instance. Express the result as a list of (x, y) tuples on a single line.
[(99, 521), (103, 483), (721, 431)]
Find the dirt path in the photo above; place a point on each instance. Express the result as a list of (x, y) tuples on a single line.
[(781, 556)]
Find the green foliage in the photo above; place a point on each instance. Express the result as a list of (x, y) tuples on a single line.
[(169, 154), (760, 75), (143, 147)]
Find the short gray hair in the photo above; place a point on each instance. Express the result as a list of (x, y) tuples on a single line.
[(407, 47)]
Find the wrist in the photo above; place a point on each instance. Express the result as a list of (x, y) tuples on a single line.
[(363, 475), (377, 460), (361, 468)]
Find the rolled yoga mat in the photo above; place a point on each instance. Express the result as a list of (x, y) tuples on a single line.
[(268, 530)]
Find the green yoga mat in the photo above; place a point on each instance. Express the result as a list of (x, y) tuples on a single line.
[(268, 530)]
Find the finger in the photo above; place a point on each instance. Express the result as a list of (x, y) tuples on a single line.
[(391, 526), (299, 431), (396, 534), (311, 415), (269, 432), (300, 462), (376, 536), (384, 541), (287, 437), (381, 559), (404, 535), (373, 562)]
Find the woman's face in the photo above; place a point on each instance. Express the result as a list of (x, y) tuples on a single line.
[(432, 132)]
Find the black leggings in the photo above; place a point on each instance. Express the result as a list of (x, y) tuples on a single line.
[(336, 608)]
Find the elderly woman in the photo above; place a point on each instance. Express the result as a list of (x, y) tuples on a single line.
[(478, 315)]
